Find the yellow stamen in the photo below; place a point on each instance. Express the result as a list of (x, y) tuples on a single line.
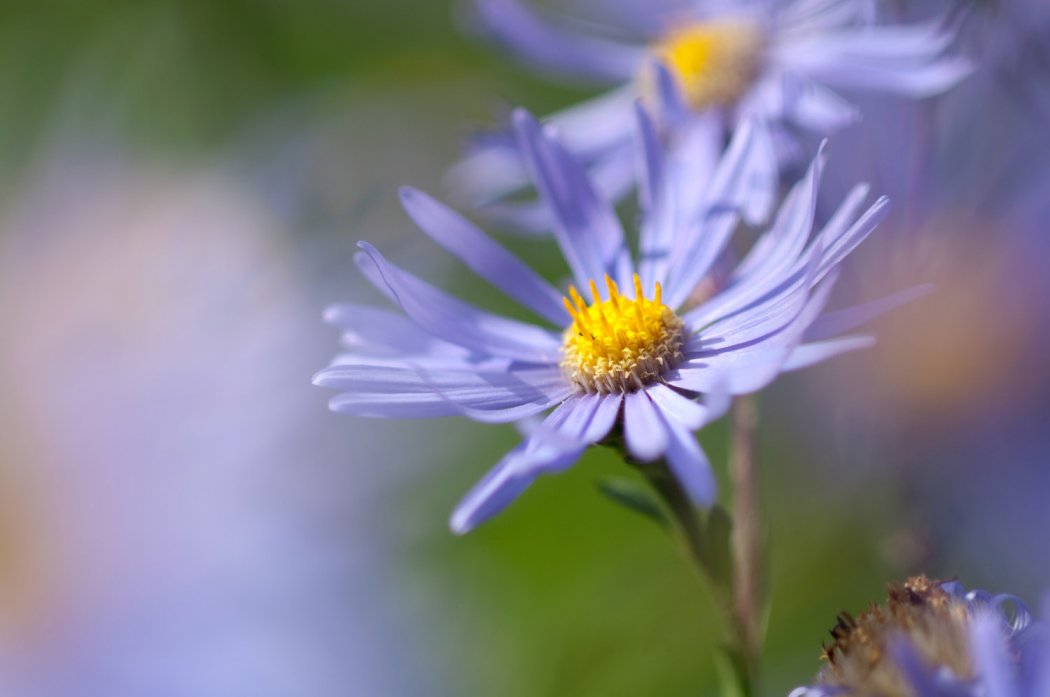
[(714, 62), (619, 344)]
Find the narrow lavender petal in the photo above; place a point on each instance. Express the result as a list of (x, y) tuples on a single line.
[(807, 355), (915, 671), (894, 59), (487, 173), (742, 369), (378, 331), (646, 21), (612, 174), (606, 411), (765, 99), (586, 227), (389, 405), (673, 106), (659, 218), (553, 446), (593, 126), (459, 323), (367, 373), (844, 216), (808, 16), (738, 374), (836, 249), (918, 82), (813, 691), (691, 157), (688, 462), (515, 472), (1041, 669), (685, 411), (549, 47), (513, 414), (698, 248), (829, 247), (374, 388), (644, 429), (892, 43), (1013, 611), (768, 315), (435, 361), (840, 321), (385, 405), (371, 272), (484, 256), (500, 487), (694, 152), (816, 108), (988, 644), (780, 248), (591, 129), (650, 161)]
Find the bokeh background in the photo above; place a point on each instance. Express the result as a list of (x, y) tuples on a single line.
[(181, 188)]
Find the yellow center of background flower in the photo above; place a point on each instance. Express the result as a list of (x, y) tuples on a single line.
[(714, 62), (619, 344)]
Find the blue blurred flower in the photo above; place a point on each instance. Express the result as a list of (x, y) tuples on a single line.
[(936, 639), (729, 61), (637, 351)]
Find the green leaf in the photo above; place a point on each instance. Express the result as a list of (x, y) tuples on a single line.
[(732, 672), (633, 496)]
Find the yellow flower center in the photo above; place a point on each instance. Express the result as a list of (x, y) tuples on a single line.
[(714, 62), (619, 344)]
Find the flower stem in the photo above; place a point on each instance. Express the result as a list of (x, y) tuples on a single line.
[(688, 524), (746, 539)]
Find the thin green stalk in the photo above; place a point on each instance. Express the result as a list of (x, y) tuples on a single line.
[(746, 540), (688, 525)]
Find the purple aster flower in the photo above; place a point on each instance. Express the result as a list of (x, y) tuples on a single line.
[(728, 60), (934, 639), (629, 345)]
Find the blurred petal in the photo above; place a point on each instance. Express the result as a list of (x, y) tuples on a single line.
[(839, 321), (541, 42), (810, 354), (989, 646), (377, 331)]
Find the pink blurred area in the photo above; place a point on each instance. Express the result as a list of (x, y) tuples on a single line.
[(154, 402)]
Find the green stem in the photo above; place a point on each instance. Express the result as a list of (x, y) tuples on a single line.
[(746, 540), (688, 525)]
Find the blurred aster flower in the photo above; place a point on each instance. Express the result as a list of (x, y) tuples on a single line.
[(634, 350), (935, 639), (728, 60)]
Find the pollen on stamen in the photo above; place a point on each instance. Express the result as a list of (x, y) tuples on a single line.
[(920, 611), (713, 62), (620, 344)]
